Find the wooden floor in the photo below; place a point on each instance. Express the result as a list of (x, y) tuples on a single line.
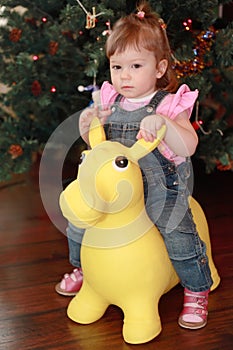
[(33, 257)]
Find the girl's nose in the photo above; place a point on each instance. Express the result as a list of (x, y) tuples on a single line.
[(125, 73)]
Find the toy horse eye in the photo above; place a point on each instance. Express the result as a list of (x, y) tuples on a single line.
[(121, 163), (82, 157)]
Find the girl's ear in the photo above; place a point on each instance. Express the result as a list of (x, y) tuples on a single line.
[(161, 68)]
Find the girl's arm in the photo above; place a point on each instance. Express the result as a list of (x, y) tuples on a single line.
[(87, 116), (180, 136)]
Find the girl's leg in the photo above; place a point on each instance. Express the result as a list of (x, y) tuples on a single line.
[(171, 214), (71, 283), (188, 255), (75, 236), (166, 197)]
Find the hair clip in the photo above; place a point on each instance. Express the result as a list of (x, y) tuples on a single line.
[(162, 23), (141, 14)]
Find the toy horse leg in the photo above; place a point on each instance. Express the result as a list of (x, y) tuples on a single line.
[(87, 306), (142, 321)]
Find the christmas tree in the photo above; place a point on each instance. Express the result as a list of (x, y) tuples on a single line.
[(51, 49)]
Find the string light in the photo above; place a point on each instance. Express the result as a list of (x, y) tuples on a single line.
[(109, 30), (35, 57), (188, 24), (198, 123), (53, 89)]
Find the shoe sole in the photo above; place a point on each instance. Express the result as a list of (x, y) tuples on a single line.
[(187, 325), (63, 292)]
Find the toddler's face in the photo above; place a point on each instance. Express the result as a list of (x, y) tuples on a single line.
[(134, 73)]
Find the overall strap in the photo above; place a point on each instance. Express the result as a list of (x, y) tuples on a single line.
[(157, 98), (118, 98)]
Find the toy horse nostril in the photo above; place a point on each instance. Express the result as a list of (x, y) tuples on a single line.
[(121, 162), (82, 157)]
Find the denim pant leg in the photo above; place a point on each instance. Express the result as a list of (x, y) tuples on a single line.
[(75, 236), (187, 253), (167, 206)]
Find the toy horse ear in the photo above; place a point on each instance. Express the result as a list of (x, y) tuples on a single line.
[(96, 133), (141, 148)]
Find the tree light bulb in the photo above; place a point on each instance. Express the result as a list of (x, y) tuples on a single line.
[(53, 89), (81, 88)]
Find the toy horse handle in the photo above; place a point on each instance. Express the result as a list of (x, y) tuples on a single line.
[(139, 149)]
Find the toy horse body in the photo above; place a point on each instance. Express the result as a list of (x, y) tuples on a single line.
[(123, 255)]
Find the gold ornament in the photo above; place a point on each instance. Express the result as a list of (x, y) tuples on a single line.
[(91, 19)]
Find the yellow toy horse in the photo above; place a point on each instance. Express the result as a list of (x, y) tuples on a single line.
[(123, 255)]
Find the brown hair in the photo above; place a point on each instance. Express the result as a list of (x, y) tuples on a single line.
[(144, 29)]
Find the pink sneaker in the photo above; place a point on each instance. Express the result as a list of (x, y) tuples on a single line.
[(71, 283), (194, 313)]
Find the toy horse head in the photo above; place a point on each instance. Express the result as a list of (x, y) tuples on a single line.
[(109, 181)]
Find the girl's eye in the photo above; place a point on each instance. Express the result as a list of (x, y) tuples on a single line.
[(116, 67), (136, 66)]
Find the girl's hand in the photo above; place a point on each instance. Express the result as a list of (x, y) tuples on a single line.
[(148, 127), (103, 115), (86, 118)]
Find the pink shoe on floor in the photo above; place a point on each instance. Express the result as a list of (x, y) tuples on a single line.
[(194, 313), (71, 283)]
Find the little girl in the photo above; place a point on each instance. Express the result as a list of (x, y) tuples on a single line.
[(142, 97)]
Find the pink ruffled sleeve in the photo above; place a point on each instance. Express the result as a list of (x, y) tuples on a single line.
[(183, 100), (173, 104), (107, 95)]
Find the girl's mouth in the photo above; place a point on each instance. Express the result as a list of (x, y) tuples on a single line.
[(125, 87)]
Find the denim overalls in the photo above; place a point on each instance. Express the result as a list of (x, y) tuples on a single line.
[(166, 197)]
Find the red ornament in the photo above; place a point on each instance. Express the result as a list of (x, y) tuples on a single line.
[(68, 34), (31, 21), (36, 88), (226, 167), (15, 151), (15, 35), (53, 47), (196, 124)]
